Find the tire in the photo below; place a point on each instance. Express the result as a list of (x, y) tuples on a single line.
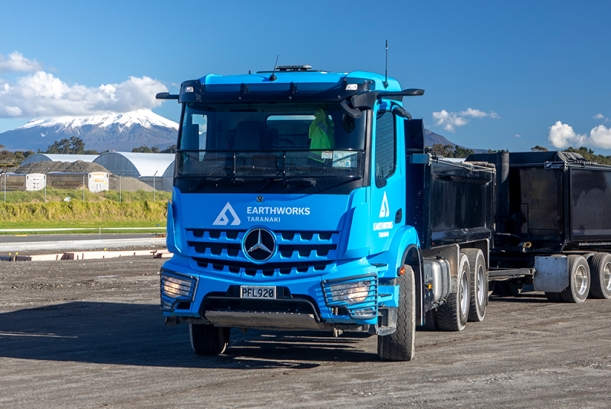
[(430, 324), (478, 284), (600, 274), (400, 345), (579, 280), (453, 315), (554, 297), (208, 339)]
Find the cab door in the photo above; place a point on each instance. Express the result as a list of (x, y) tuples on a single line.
[(387, 176)]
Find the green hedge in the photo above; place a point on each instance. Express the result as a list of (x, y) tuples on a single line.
[(83, 214)]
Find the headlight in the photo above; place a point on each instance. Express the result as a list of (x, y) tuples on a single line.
[(175, 288), (353, 292), (358, 294)]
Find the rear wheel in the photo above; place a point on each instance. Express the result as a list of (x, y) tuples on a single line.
[(399, 346), (453, 315), (600, 273), (208, 339), (579, 280), (478, 285)]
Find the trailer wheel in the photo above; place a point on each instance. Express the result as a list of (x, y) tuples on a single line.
[(478, 285), (399, 346), (208, 339), (600, 273), (453, 315), (554, 297), (579, 280)]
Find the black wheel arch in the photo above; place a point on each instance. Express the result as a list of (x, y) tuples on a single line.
[(412, 256)]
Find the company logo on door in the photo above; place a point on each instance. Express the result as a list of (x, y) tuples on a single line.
[(384, 213)]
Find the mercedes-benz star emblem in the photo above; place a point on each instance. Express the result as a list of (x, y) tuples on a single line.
[(259, 244)]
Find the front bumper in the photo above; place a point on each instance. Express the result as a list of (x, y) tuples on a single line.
[(347, 295)]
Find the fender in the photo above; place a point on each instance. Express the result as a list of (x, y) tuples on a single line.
[(406, 238)]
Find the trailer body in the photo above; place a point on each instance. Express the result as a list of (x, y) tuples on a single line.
[(551, 208)]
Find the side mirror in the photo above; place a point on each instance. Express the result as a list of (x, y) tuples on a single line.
[(166, 95)]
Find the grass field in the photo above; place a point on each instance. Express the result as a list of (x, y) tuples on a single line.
[(64, 208)]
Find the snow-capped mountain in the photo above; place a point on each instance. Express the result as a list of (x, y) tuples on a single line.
[(120, 132)]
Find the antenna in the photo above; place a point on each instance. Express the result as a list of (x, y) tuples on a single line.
[(273, 76), (386, 68)]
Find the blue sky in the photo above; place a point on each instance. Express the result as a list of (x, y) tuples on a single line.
[(497, 74)]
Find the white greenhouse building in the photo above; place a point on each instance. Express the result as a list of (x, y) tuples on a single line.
[(154, 169)]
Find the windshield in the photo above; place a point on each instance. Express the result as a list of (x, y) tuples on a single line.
[(273, 142)]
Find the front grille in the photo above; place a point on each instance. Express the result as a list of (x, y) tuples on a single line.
[(221, 251)]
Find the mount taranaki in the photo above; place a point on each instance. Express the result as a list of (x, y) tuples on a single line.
[(118, 132)]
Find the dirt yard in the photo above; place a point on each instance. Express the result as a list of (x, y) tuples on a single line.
[(89, 334)]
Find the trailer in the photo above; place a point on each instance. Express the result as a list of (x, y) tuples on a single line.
[(553, 225), (94, 181), (22, 181)]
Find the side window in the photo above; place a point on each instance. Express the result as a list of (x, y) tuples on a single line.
[(194, 130), (385, 145)]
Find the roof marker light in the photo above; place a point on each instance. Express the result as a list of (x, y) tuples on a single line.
[(189, 89)]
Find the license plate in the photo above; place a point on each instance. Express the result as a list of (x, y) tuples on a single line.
[(251, 291)]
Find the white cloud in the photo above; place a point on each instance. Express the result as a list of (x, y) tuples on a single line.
[(43, 95), (451, 120), (601, 137), (562, 136), (16, 62), (601, 116)]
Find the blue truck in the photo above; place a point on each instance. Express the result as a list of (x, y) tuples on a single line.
[(306, 200)]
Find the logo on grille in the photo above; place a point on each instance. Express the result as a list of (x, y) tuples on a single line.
[(223, 220), (259, 244)]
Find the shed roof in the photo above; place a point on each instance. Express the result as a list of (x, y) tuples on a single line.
[(57, 157), (144, 164)]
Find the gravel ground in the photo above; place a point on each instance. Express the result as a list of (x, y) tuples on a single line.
[(89, 334)]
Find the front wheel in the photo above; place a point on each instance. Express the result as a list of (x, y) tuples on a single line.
[(453, 315), (399, 346), (208, 339)]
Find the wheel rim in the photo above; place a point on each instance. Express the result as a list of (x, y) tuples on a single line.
[(606, 276), (481, 291), (464, 295), (581, 280)]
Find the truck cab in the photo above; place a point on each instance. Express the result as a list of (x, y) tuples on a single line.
[(294, 208)]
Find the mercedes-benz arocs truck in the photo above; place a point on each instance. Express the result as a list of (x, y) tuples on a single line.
[(305, 200)]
